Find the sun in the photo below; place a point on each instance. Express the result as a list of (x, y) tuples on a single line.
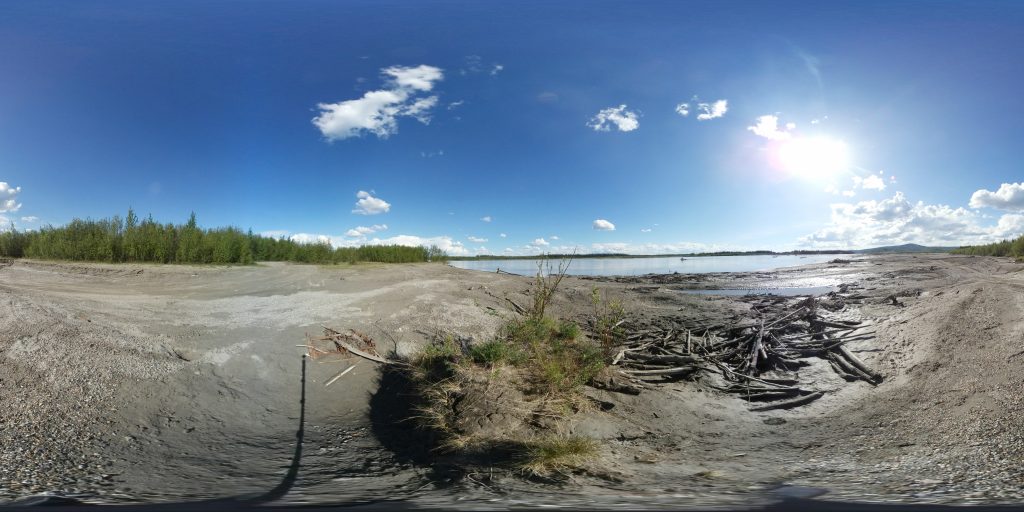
[(813, 157)]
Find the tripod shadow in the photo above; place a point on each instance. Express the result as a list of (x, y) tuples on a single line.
[(293, 471)]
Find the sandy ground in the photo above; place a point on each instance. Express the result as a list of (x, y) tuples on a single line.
[(139, 383)]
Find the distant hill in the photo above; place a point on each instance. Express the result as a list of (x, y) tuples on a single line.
[(905, 248)]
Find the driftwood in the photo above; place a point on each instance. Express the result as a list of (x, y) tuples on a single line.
[(353, 342), (789, 404), (339, 375), (756, 358)]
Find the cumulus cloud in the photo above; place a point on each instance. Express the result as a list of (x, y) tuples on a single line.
[(555, 237), (369, 205), (419, 78), (622, 119), (377, 112), (705, 111), (712, 110), (872, 182), (767, 126), (9, 198), (486, 218), (503, 235), (446, 243), (30, 218), (645, 230), (366, 230), (476, 240), (497, 68), (1009, 197), (540, 242), (896, 220), (603, 225)]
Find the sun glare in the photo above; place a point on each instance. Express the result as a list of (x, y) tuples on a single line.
[(814, 157)]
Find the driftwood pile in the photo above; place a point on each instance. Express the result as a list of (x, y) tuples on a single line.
[(758, 360), (335, 342)]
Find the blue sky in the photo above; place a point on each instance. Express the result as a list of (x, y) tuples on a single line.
[(808, 125)]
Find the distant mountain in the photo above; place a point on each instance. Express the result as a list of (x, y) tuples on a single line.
[(905, 248)]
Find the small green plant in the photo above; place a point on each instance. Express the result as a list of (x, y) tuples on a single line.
[(497, 352), (558, 454), (608, 318)]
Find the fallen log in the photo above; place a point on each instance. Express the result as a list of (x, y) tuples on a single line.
[(875, 376), (789, 404), (680, 370)]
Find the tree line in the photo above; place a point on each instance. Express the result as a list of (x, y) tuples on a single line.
[(1012, 248), (117, 240)]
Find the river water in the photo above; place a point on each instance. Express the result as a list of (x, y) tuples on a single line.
[(660, 265)]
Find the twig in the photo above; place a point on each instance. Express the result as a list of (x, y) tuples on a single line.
[(340, 375)]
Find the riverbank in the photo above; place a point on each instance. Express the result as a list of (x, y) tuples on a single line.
[(110, 371)]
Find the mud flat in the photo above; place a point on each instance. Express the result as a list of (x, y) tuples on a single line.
[(139, 383)]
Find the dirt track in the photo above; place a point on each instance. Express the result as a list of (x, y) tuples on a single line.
[(151, 382)]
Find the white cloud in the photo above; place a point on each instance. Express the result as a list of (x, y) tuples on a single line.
[(30, 218), (420, 78), (683, 109), (555, 237), (603, 225), (446, 243), (768, 127), (476, 240), (1009, 197), (275, 233), (714, 110), (369, 205), (872, 182), (669, 248), (896, 221), (497, 69), (540, 242), (366, 230), (624, 120), (309, 238), (645, 230), (377, 112), (849, 193), (9, 198), (486, 218), (503, 235), (456, 104)]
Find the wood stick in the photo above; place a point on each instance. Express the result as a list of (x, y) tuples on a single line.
[(311, 347), (789, 404), (859, 365), (360, 353), (664, 371), (519, 309), (340, 375)]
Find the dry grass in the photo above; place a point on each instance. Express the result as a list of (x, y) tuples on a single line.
[(558, 454)]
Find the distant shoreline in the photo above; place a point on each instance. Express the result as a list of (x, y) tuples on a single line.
[(893, 249), (485, 257)]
